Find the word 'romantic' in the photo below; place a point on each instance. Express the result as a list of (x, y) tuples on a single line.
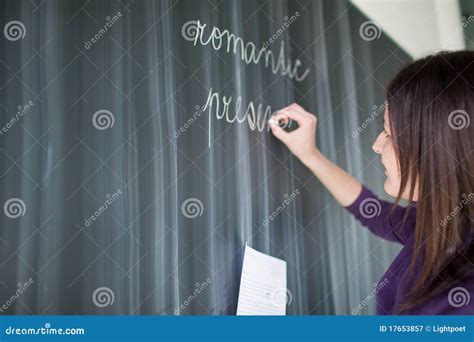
[(256, 119), (194, 31)]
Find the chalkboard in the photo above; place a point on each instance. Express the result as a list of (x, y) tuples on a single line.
[(145, 163)]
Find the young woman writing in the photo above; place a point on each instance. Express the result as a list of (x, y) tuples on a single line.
[(427, 150)]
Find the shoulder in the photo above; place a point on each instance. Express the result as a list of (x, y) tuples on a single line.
[(385, 219)]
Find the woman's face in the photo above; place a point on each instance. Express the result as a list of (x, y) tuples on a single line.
[(383, 145)]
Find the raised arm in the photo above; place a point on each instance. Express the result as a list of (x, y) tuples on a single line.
[(371, 211), (302, 143)]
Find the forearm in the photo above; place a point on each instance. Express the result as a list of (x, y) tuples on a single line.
[(339, 183)]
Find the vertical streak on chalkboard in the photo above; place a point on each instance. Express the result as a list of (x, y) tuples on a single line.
[(133, 292), (242, 184), (261, 83), (209, 127), (161, 288), (322, 103), (52, 192), (215, 297), (168, 24), (290, 225)]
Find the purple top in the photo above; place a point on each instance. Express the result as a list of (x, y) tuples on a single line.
[(373, 212)]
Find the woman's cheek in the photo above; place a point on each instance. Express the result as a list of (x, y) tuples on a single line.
[(392, 181)]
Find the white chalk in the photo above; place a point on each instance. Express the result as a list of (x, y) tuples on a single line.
[(272, 121)]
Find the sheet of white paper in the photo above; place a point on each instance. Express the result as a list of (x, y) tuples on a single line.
[(263, 288)]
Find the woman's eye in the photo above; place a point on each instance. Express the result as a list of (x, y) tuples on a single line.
[(386, 134)]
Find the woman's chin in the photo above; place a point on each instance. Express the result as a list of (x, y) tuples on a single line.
[(389, 188)]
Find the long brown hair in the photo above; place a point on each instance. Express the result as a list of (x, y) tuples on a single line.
[(430, 107)]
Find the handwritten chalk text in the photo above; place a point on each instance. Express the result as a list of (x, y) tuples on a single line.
[(194, 31), (256, 119)]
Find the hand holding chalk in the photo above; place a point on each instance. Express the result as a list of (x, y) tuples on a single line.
[(288, 125), (302, 140)]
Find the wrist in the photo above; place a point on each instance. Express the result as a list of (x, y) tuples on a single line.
[(312, 157)]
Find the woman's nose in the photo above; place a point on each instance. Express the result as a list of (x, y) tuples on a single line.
[(377, 146)]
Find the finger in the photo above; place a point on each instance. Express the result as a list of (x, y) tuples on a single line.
[(286, 114), (279, 120), (296, 107), (279, 132)]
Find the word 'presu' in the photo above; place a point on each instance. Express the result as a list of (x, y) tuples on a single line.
[(257, 119), (194, 31)]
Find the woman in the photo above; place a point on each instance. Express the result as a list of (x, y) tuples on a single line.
[(427, 150)]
